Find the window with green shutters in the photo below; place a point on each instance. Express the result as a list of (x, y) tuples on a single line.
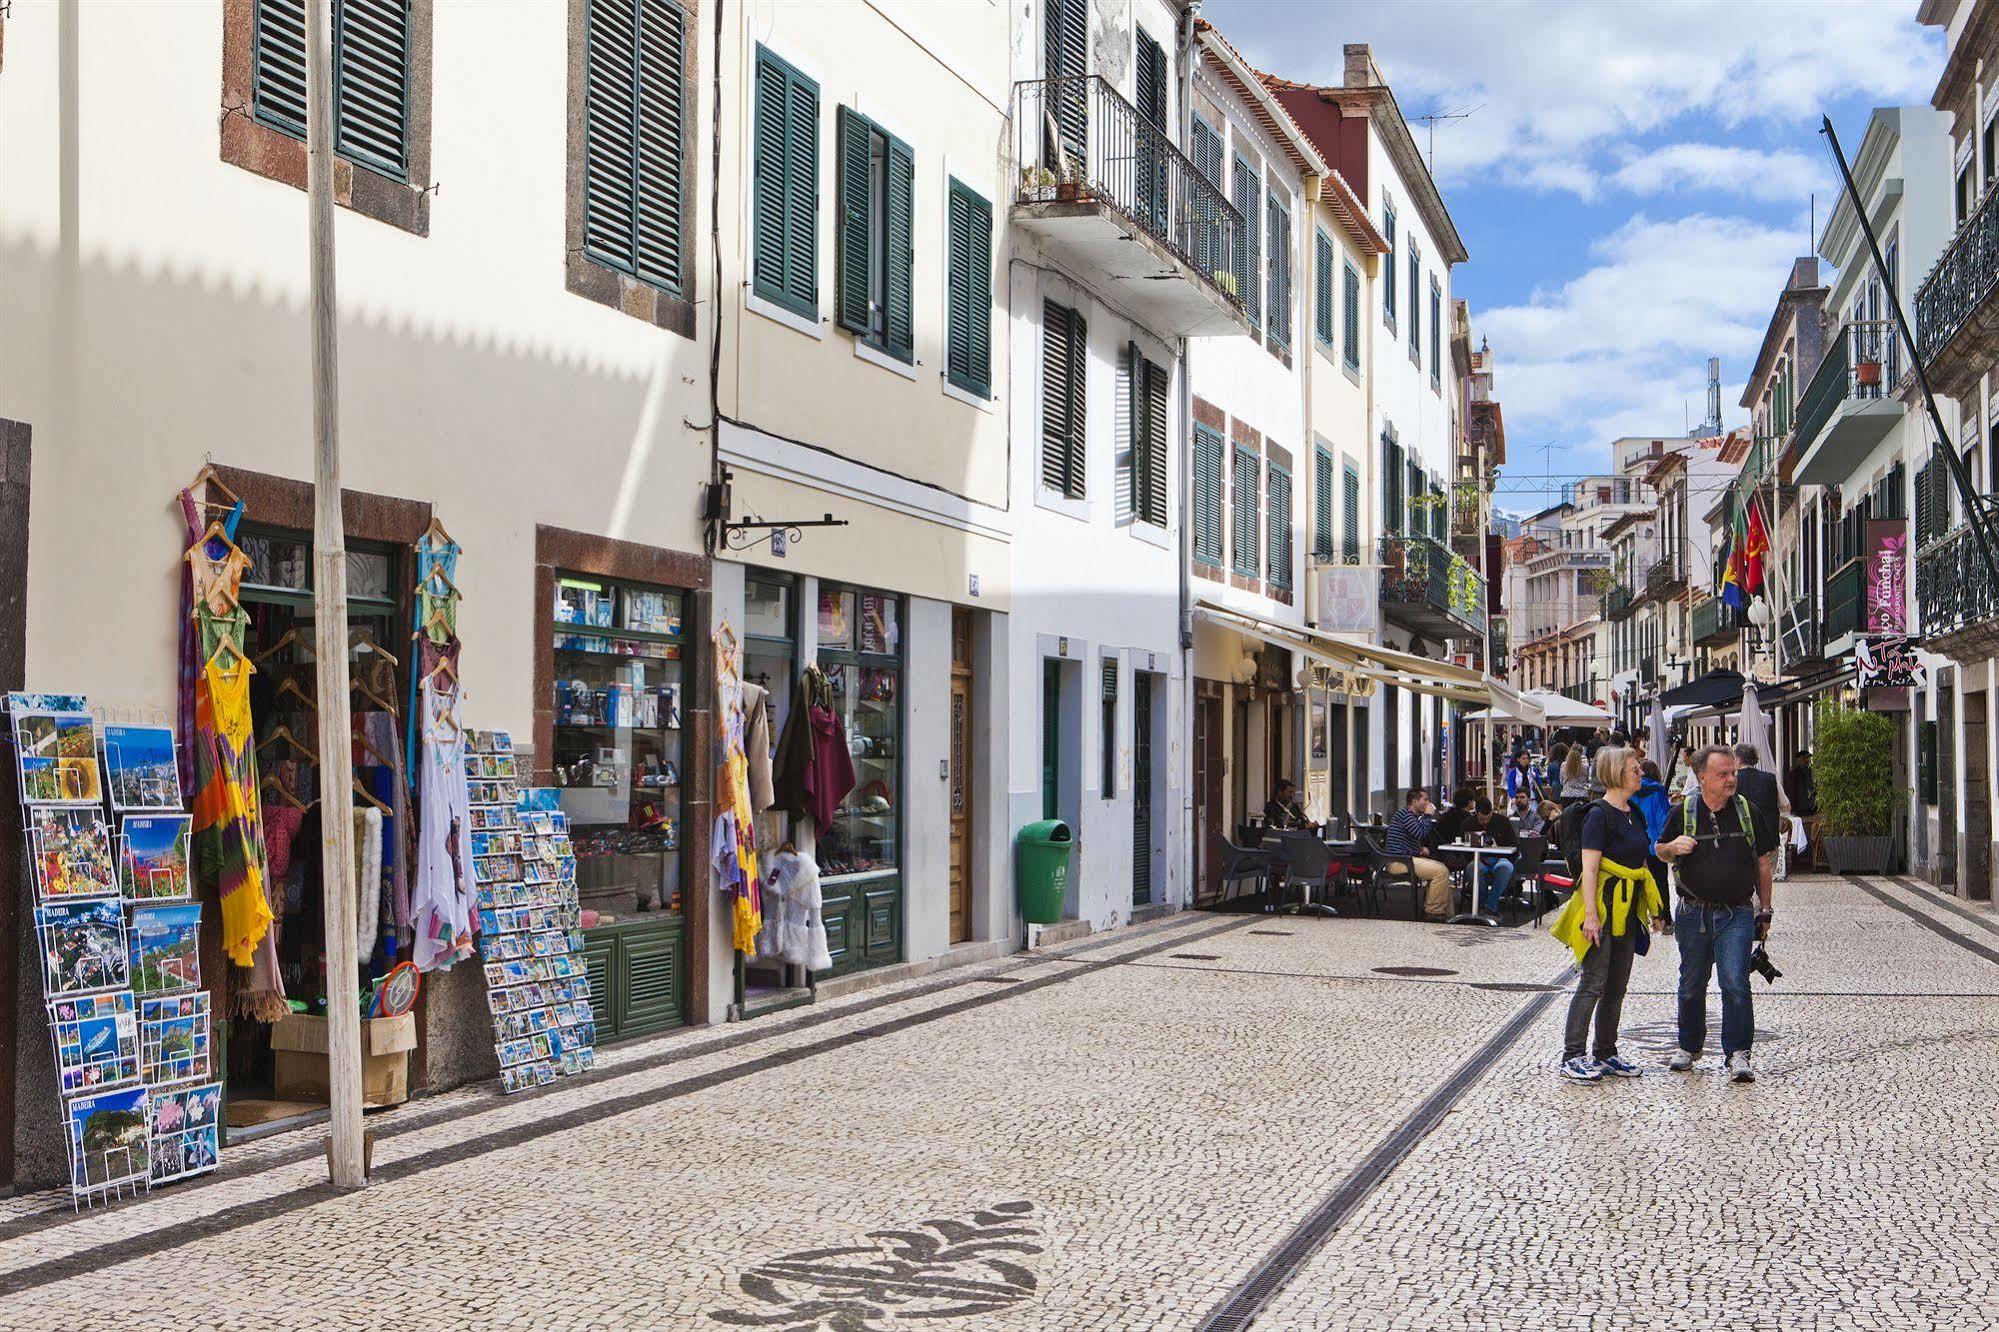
[(1350, 514), (1149, 450), (1244, 547), (1440, 511), (635, 156), (968, 312), (371, 78), (1207, 496), (1388, 265), (1281, 538), (1415, 297), (1436, 335), (1322, 289), (1064, 354), (1206, 150), (1153, 147), (1322, 503), (1066, 36), (1350, 305), (1248, 242), (1280, 273), (785, 207), (1417, 523), (876, 203), (1391, 484)]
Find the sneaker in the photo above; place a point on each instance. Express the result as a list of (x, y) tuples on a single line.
[(1739, 1069), (1581, 1069), (1618, 1067), (1681, 1061)]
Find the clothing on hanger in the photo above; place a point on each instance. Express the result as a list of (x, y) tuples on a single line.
[(440, 907)]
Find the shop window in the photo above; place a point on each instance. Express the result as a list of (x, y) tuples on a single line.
[(860, 853), (770, 659), (620, 674), (877, 237)]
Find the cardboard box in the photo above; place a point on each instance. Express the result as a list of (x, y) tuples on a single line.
[(299, 1043)]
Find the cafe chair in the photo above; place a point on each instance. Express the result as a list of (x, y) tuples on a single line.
[(1533, 874), (1308, 863), (1241, 865), (1381, 878)]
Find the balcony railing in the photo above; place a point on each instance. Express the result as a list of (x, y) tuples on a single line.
[(1578, 692), (1863, 362), (1665, 578), (1954, 592), (1616, 602), (1845, 597), (1080, 141), (1423, 578), (1960, 280), (1713, 619), (1932, 500)]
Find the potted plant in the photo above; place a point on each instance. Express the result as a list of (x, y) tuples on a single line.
[(1867, 374), (1853, 767)]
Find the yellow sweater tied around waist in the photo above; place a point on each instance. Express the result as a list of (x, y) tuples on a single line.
[(1623, 896)]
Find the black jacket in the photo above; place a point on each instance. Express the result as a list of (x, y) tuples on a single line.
[(1759, 788)]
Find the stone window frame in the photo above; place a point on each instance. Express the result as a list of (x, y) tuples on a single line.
[(594, 281), (271, 153)]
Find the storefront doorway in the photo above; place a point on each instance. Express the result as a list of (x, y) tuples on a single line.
[(1141, 789), (1946, 760), (961, 775), (860, 854), (1208, 775), (1977, 858)]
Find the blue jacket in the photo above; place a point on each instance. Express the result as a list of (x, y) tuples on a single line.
[(1655, 806)]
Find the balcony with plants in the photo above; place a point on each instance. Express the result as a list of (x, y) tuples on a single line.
[(1850, 405), (1427, 588), (1107, 190)]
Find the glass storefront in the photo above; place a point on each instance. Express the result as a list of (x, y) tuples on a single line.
[(621, 673), (860, 855)]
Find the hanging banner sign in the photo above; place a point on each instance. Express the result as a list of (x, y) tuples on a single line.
[(1887, 571), (1888, 661)]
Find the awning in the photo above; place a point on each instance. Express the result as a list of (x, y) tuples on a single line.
[(1712, 688), (1542, 707), (1405, 670)]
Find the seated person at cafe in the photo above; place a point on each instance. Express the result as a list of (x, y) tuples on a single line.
[(1496, 873), (1282, 810), (1452, 823), (1409, 833), (1526, 816)]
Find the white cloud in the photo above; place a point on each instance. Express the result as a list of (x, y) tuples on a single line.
[(1563, 91), (1774, 177), (1623, 347)]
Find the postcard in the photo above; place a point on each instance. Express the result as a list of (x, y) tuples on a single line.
[(174, 1039), (164, 945), (154, 864), (58, 757), (139, 763), (96, 1042), (83, 946), (107, 1138), (183, 1131), (71, 850)]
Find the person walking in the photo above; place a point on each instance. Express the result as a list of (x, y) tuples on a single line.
[(1722, 849), (1575, 775), (1605, 919), (1655, 805), (1408, 838)]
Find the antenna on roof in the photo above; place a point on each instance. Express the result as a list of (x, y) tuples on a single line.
[(1462, 113)]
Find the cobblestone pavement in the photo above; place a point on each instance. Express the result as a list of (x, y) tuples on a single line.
[(1128, 1133)]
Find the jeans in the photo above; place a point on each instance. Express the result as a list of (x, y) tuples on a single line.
[(1606, 971), (1494, 878), (1718, 939)]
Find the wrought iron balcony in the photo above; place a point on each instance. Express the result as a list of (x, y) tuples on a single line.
[(1714, 623), (1617, 602), (1955, 596), (1096, 176), (1427, 588), (1850, 405), (1845, 597), (1801, 636), (1957, 326), (1667, 578)]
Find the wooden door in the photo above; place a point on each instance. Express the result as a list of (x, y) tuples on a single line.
[(961, 775), (1207, 791)]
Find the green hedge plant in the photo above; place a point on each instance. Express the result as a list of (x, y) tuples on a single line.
[(1853, 766)]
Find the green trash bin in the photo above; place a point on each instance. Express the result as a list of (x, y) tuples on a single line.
[(1041, 863)]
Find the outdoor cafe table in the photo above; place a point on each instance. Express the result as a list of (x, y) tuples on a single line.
[(1475, 916)]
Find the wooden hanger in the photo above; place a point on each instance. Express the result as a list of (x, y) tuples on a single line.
[(437, 572), (271, 783), (443, 667), (207, 476), (372, 752), (381, 704), (283, 734), (305, 700), (287, 639), (363, 640), (436, 534), (229, 645), (359, 791)]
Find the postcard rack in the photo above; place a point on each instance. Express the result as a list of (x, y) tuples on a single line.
[(117, 934), (524, 878)]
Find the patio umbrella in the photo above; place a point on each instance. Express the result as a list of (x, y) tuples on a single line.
[(1753, 728), (1561, 710), (1713, 688), (1662, 748)]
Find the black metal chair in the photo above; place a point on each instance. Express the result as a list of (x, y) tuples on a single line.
[(1308, 863), (1242, 864), (1382, 875), (1537, 876)]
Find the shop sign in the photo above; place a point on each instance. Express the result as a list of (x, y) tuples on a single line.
[(1887, 577), (1888, 661), (1350, 599)]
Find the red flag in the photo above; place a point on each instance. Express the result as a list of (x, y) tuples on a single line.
[(1754, 549)]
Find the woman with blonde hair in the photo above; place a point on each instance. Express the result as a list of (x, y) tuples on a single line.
[(1575, 774), (1605, 920)]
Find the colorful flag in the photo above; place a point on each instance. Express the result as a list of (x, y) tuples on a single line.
[(1732, 594), (1755, 546)]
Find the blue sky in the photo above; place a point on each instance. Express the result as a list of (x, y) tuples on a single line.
[(1632, 187)]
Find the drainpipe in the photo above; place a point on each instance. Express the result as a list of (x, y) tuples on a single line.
[(1191, 858)]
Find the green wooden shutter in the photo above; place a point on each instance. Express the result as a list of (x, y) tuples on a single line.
[(1207, 496), (609, 136), (1244, 538), (1148, 439), (1207, 155), (1279, 522), (1067, 35), (634, 154), (1064, 342), (1415, 524), (1391, 485), (785, 209), (658, 232), (1350, 293), (968, 311), (1150, 83), (1322, 288), (1350, 514), (856, 231), (1322, 504), (371, 77), (901, 321), (1415, 299), (1388, 266), (1279, 266), (652, 982), (1436, 334), (1248, 249)]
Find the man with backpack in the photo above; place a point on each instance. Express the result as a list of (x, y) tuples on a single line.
[(1722, 850)]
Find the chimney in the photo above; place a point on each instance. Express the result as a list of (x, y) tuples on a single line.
[(1361, 70)]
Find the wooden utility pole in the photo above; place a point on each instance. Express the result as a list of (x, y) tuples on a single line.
[(336, 842)]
